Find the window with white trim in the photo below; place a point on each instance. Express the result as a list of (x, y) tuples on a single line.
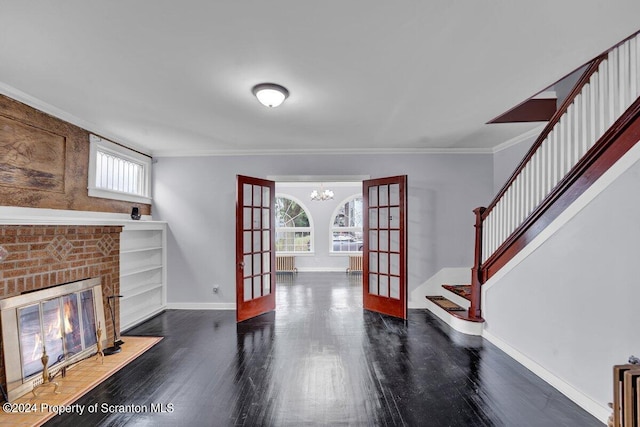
[(117, 172), (346, 226), (294, 229)]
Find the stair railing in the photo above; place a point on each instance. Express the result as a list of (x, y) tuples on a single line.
[(607, 89)]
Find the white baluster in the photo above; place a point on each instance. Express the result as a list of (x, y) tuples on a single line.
[(612, 87), (544, 169), (584, 121), (603, 85), (512, 211), (568, 125), (548, 165), (555, 156), (624, 83), (593, 102), (497, 222), (509, 211), (526, 191), (519, 198), (487, 232), (637, 65), (534, 186), (562, 143)]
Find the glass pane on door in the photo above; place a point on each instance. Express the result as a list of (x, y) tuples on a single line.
[(373, 284), (248, 193), (394, 194)]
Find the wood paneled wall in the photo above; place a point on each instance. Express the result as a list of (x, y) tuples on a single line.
[(44, 163)]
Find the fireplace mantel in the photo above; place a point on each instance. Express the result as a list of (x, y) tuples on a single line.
[(10, 215)]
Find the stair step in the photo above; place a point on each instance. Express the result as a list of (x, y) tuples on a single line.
[(463, 291), (445, 303)]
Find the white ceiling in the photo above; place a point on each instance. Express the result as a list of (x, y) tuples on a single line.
[(175, 77)]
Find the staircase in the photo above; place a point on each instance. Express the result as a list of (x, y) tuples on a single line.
[(596, 125), (452, 306)]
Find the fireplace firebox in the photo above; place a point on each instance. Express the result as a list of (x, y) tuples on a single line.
[(61, 320)]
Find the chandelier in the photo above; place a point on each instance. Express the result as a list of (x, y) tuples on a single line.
[(322, 194)]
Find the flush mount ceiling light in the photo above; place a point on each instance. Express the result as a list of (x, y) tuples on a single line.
[(270, 94)]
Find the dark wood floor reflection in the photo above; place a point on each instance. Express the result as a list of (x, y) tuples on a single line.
[(321, 360)]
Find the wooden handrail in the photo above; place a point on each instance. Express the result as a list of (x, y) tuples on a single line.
[(540, 210), (593, 67), (612, 145), (584, 79)]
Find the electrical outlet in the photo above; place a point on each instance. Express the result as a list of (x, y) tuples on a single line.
[(216, 288)]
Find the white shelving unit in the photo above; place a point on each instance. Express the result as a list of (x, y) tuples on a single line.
[(143, 271)]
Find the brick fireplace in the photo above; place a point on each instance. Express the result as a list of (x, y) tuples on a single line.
[(34, 257)]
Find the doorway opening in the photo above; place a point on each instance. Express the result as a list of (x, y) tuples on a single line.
[(371, 224), (318, 234)]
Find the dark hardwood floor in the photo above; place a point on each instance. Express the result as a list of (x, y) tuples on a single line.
[(321, 360)]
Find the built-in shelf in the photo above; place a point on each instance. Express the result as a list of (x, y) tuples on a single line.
[(132, 251), (141, 290), (143, 272), (140, 270)]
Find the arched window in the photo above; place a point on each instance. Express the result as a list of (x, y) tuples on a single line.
[(294, 230), (346, 226)]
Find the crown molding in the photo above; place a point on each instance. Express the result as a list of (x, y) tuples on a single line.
[(318, 151), (58, 113), (533, 133)]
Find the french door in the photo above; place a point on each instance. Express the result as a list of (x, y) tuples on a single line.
[(255, 247), (385, 246)]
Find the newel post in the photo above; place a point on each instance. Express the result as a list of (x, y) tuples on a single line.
[(476, 272)]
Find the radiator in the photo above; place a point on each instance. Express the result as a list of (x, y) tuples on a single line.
[(626, 396), (286, 264), (355, 264)]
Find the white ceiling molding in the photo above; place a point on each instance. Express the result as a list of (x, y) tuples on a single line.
[(328, 151), (306, 180), (38, 104), (533, 133)]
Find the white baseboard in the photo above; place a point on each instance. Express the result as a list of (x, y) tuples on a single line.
[(579, 398), (322, 270), (201, 306)]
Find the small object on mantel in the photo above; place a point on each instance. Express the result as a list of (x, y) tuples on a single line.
[(634, 360), (135, 213)]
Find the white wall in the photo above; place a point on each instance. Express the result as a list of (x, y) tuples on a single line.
[(507, 159), (321, 214), (196, 196), (571, 306)]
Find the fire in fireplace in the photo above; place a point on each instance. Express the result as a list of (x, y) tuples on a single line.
[(64, 326), (61, 321)]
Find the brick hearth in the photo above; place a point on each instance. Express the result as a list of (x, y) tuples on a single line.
[(34, 257)]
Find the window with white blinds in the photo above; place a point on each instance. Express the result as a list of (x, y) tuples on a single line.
[(116, 172)]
